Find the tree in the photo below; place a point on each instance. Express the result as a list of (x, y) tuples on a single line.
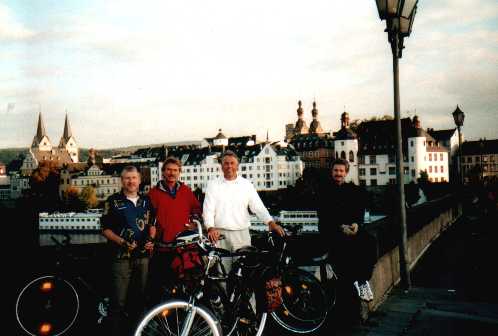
[(44, 183), (424, 177), (355, 124), (72, 200), (88, 197)]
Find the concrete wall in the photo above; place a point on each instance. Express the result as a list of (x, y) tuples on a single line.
[(386, 273)]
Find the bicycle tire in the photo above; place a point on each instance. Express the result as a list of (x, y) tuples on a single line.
[(47, 305), (237, 330), (305, 305), (157, 321)]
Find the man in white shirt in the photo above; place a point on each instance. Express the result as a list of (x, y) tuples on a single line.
[(226, 205)]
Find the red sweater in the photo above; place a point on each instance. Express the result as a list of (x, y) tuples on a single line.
[(173, 213)]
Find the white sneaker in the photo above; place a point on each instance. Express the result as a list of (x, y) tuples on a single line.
[(364, 291)]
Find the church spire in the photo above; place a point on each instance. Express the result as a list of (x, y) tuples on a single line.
[(67, 129), (41, 140), (40, 130)]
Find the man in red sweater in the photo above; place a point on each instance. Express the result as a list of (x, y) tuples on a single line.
[(174, 204)]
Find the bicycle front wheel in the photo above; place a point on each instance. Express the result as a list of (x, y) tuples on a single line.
[(304, 307), (48, 305), (178, 318)]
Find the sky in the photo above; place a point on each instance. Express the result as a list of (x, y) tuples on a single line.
[(134, 73)]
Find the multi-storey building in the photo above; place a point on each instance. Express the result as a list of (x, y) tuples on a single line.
[(481, 156), (268, 166), (377, 153), (106, 181)]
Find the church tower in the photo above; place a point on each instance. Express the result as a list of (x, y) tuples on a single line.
[(68, 142), (346, 147), (315, 126), (300, 127), (41, 140)]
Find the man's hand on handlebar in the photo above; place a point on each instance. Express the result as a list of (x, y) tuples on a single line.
[(273, 226), (213, 234)]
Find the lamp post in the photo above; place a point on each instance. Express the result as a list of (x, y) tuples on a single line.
[(481, 151), (399, 16), (459, 116)]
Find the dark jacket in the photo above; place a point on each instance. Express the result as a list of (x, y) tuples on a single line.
[(127, 220), (338, 205)]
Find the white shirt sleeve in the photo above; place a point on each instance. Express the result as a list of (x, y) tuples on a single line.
[(257, 206), (208, 208)]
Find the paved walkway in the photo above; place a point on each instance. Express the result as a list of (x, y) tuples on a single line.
[(453, 288)]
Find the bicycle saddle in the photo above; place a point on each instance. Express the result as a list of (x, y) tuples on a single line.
[(249, 256)]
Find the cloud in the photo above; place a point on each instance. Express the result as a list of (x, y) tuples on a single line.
[(10, 28)]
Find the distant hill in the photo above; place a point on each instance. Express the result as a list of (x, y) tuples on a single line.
[(9, 154)]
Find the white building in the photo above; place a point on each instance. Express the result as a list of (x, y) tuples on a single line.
[(18, 184), (268, 166), (376, 153), (106, 182)]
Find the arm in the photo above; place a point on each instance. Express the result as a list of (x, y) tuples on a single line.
[(257, 206), (208, 210)]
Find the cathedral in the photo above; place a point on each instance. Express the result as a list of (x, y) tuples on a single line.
[(42, 148)]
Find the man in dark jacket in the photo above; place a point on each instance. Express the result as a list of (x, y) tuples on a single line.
[(341, 209), (128, 225)]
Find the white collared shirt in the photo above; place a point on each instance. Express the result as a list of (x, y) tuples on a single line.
[(226, 204)]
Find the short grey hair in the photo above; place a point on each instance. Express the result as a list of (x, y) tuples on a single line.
[(229, 153), (130, 169)]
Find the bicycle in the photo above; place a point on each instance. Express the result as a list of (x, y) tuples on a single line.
[(52, 304), (238, 316), (306, 300)]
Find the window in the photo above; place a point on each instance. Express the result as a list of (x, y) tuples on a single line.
[(442, 170), (412, 158), (343, 155), (406, 171), (361, 159), (351, 156), (363, 182), (362, 172), (411, 143), (372, 159), (413, 172), (477, 159), (373, 182), (373, 171), (430, 156), (392, 181), (392, 170), (243, 168), (430, 169), (441, 157)]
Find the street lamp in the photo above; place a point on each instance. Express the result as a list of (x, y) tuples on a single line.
[(399, 16), (481, 151), (459, 116)]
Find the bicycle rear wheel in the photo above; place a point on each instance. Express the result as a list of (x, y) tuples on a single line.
[(48, 305), (305, 305), (178, 318)]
